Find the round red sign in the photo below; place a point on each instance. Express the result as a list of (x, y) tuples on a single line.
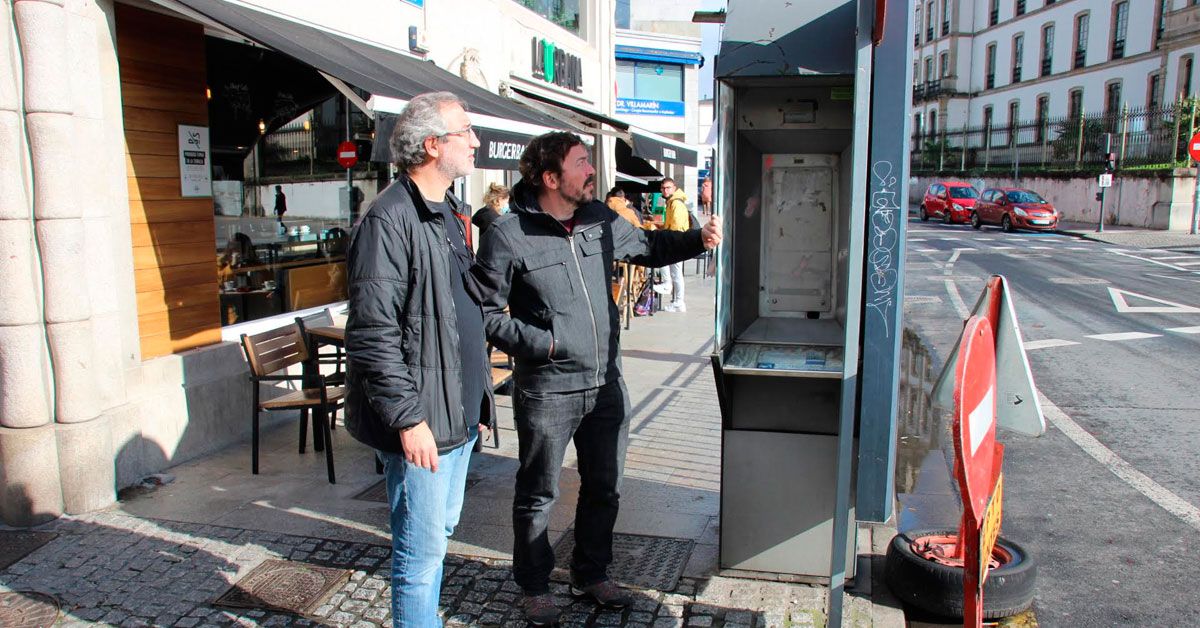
[(975, 415), (347, 154), (1194, 147)]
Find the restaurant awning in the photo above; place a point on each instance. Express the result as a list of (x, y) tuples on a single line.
[(377, 70), (655, 147)]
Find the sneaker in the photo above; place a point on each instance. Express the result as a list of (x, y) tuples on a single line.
[(540, 609), (662, 288), (675, 307), (606, 593)]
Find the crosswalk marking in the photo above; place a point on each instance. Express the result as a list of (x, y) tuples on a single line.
[(1047, 343), (1042, 248), (1002, 248), (1127, 335)]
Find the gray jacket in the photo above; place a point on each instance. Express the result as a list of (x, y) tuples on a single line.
[(562, 327), (402, 339)]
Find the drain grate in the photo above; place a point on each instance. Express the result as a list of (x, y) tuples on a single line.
[(647, 562), (377, 492), (27, 609), (17, 545), (284, 585)]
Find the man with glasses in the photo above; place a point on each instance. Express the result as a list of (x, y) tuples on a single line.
[(419, 384)]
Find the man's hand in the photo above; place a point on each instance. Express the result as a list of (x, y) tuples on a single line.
[(419, 447), (710, 234)]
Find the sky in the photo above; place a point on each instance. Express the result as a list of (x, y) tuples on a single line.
[(710, 44)]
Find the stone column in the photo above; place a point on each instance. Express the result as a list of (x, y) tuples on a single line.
[(58, 201), (28, 453)]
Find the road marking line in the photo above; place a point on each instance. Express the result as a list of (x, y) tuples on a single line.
[(1001, 248), (1078, 281), (925, 250), (1185, 263), (1185, 330), (1042, 248), (1148, 259), (1174, 257), (1046, 344), (1177, 278), (1165, 307), (1142, 483), (1078, 248), (1125, 335), (949, 238), (915, 240)]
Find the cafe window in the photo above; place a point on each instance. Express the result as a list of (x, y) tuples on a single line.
[(283, 213), (564, 13), (649, 80)]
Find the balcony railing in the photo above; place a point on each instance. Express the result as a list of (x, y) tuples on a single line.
[(990, 81), (929, 34), (916, 39), (929, 90), (1080, 59), (1016, 74), (1047, 63), (945, 28), (994, 17), (1118, 48)]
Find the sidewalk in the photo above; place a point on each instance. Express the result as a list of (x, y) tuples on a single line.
[(1132, 236), (163, 556)]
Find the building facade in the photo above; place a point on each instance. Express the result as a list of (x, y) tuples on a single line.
[(984, 63), (126, 129)]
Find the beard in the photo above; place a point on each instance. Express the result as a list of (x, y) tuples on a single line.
[(585, 193), (451, 170)]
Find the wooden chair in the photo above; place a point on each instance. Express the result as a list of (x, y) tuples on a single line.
[(324, 318), (273, 351)]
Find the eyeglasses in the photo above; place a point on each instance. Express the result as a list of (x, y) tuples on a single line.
[(467, 132)]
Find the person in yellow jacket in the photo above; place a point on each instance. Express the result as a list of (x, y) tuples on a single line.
[(676, 219)]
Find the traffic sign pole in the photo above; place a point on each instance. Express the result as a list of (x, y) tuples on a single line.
[(1107, 150)]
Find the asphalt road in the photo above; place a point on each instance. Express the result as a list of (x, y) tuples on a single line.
[(1108, 498)]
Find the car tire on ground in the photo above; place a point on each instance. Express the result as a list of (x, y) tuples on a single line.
[(1006, 224), (923, 214), (947, 217), (938, 589), (975, 223)]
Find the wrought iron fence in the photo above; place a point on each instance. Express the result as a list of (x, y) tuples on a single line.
[(1143, 138)]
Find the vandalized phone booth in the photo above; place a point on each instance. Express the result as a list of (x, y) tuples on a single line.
[(793, 185)]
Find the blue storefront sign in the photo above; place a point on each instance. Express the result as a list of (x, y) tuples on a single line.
[(639, 106)]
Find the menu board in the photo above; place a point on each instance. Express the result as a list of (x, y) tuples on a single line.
[(799, 358)]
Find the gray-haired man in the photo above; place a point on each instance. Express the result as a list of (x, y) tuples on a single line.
[(412, 324)]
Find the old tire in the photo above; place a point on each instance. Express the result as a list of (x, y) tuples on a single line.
[(938, 589), (923, 214), (976, 224)]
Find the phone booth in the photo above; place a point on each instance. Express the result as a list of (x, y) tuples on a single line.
[(795, 188)]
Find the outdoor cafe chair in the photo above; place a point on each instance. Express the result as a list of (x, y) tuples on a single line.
[(270, 354), (337, 357)]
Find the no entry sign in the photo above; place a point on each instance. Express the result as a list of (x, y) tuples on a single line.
[(975, 415), (347, 154), (1194, 147)]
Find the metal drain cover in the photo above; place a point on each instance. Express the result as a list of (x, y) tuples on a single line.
[(27, 609), (284, 585), (647, 562), (17, 545)]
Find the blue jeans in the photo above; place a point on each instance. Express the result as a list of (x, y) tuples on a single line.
[(425, 508), (597, 420)]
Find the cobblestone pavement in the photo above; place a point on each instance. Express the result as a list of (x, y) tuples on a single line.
[(110, 569)]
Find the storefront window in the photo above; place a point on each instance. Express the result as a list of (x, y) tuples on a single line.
[(564, 13), (284, 213), (649, 80)]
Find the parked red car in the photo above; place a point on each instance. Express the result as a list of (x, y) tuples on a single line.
[(1014, 208), (951, 201)]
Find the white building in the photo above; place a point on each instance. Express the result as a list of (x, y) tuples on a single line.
[(988, 62)]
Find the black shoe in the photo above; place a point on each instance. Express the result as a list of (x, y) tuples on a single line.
[(540, 609), (606, 593)]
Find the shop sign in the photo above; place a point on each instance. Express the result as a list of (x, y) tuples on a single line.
[(195, 164), (641, 106), (556, 66)]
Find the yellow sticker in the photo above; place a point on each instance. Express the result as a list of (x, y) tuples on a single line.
[(991, 528), (841, 93)]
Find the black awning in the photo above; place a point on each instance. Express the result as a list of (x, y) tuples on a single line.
[(581, 111), (371, 68), (498, 150), (634, 166), (649, 147)]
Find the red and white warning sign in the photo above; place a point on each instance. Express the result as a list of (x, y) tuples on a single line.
[(347, 154)]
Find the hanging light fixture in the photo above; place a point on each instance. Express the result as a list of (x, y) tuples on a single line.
[(262, 127)]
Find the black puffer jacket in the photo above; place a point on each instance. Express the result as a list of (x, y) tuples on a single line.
[(401, 336), (556, 286)]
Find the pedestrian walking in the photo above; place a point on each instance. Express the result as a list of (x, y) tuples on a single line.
[(419, 389), (280, 205), (548, 262), (675, 219)]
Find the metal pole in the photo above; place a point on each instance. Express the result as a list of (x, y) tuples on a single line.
[(1191, 121), (1124, 130), (1079, 142), (349, 171), (962, 165), (1107, 150), (1196, 203), (1175, 136), (942, 150)]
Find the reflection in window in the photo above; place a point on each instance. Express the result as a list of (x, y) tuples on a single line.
[(564, 13)]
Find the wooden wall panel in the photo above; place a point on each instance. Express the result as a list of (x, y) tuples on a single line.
[(162, 62)]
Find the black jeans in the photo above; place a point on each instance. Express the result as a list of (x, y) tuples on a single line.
[(598, 420)]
